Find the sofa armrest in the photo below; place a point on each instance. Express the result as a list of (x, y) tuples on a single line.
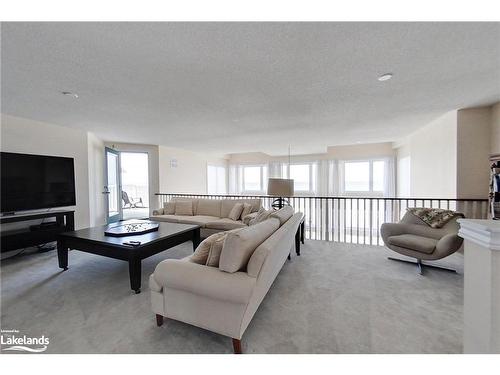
[(159, 211), (204, 280), (449, 244)]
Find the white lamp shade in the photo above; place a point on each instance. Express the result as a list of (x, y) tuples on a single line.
[(280, 187)]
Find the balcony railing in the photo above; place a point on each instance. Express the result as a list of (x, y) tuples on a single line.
[(353, 219)]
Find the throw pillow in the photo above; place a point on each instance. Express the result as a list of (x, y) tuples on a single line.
[(262, 215), (184, 208), (236, 211), (239, 246), (200, 255), (246, 219), (247, 208), (169, 208)]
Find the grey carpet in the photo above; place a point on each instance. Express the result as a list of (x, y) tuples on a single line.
[(335, 298)]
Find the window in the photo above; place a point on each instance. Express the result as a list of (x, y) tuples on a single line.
[(357, 176), (253, 178), (303, 176), (216, 179), (366, 176)]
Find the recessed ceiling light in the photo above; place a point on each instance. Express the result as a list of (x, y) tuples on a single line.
[(385, 77), (69, 93)]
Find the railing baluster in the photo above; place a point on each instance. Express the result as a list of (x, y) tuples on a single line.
[(327, 218)]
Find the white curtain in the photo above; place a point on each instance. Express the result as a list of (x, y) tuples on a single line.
[(327, 175), (390, 177), (275, 169), (235, 182), (333, 178)]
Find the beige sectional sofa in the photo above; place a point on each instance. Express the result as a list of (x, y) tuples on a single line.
[(211, 214), (224, 299)]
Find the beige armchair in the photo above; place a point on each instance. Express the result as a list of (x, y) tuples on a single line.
[(414, 238)]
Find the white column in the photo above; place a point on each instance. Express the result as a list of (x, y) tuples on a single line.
[(481, 285)]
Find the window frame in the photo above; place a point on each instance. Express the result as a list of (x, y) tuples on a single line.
[(312, 184), (262, 179)]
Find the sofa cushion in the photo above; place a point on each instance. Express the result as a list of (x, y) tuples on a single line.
[(236, 211), (200, 255), (283, 214), (208, 207), (418, 243), (247, 209), (240, 245), (225, 224), (169, 208), (184, 208), (200, 220), (166, 218)]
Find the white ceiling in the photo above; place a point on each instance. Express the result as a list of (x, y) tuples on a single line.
[(237, 87)]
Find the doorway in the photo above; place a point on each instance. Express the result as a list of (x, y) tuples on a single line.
[(135, 185), (127, 185)]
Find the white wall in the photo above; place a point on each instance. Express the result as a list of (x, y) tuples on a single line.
[(473, 151), (182, 171), (97, 201), (403, 188), (368, 150), (433, 158), (495, 129), (34, 137)]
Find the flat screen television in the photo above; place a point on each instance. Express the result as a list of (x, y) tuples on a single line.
[(31, 182)]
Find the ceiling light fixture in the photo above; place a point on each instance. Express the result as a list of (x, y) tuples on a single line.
[(385, 77), (69, 93)]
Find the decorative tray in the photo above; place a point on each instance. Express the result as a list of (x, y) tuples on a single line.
[(131, 229)]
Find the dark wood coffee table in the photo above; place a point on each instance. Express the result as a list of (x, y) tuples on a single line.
[(93, 240)]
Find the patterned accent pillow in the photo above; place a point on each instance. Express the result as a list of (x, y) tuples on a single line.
[(262, 215), (434, 217)]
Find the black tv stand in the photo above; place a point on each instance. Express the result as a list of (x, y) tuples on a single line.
[(26, 237)]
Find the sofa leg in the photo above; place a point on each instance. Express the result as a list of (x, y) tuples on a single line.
[(237, 346), (159, 320), (419, 267)]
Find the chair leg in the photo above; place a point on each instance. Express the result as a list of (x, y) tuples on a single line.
[(159, 320), (237, 346), (420, 265)]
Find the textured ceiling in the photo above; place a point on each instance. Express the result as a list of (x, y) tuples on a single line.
[(237, 87)]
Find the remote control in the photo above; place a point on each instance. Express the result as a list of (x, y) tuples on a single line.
[(132, 243)]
